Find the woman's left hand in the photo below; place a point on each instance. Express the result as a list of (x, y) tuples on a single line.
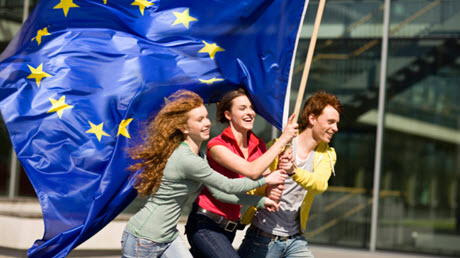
[(271, 205)]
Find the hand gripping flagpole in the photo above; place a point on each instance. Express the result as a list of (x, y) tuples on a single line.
[(306, 69)]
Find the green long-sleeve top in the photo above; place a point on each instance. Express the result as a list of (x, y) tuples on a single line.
[(183, 177)]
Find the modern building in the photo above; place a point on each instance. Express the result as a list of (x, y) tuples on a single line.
[(395, 65)]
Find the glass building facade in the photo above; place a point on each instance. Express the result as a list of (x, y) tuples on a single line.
[(418, 162)]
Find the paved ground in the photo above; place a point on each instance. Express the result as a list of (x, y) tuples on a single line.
[(334, 252), (327, 252), (318, 251)]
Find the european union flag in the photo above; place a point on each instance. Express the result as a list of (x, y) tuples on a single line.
[(81, 76)]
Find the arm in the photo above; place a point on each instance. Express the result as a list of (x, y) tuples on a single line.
[(317, 181), (193, 167), (275, 192), (246, 218), (244, 199), (258, 191), (255, 168)]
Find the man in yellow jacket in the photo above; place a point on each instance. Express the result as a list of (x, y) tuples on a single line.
[(279, 234)]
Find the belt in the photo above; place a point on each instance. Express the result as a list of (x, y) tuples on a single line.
[(228, 225), (271, 236)]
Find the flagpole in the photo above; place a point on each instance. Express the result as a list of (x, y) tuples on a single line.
[(25, 11), (311, 49)]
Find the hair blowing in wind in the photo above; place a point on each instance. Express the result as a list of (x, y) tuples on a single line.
[(163, 136)]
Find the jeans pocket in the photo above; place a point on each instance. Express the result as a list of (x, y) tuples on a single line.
[(146, 247)]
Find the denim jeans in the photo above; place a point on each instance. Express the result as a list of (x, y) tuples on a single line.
[(134, 247), (254, 245), (207, 238)]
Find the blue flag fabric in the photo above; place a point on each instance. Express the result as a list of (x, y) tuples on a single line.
[(81, 77)]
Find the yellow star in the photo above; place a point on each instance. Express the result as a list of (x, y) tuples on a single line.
[(122, 127), (211, 81), (65, 5), (40, 34), (58, 106), (183, 18), (37, 73), (211, 49), (142, 4), (105, 1), (97, 130)]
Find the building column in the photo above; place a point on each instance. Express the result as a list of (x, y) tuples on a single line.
[(380, 126)]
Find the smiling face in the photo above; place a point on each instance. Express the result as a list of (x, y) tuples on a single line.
[(325, 125), (241, 115), (198, 124)]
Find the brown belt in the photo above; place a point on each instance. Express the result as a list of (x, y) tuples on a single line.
[(271, 236), (228, 225)]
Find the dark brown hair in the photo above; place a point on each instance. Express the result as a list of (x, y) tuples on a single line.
[(316, 104), (163, 136), (225, 104)]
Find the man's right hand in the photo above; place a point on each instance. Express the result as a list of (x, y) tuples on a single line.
[(286, 162)]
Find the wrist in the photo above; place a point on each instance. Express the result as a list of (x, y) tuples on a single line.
[(283, 141), (261, 203), (293, 170)]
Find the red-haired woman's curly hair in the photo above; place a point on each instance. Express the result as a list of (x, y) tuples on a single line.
[(163, 136)]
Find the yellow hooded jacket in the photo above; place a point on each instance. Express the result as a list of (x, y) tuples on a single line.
[(315, 183)]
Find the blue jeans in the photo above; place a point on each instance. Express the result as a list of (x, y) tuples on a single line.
[(134, 247), (207, 238), (255, 245)]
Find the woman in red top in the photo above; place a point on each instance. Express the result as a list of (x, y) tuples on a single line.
[(237, 152)]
